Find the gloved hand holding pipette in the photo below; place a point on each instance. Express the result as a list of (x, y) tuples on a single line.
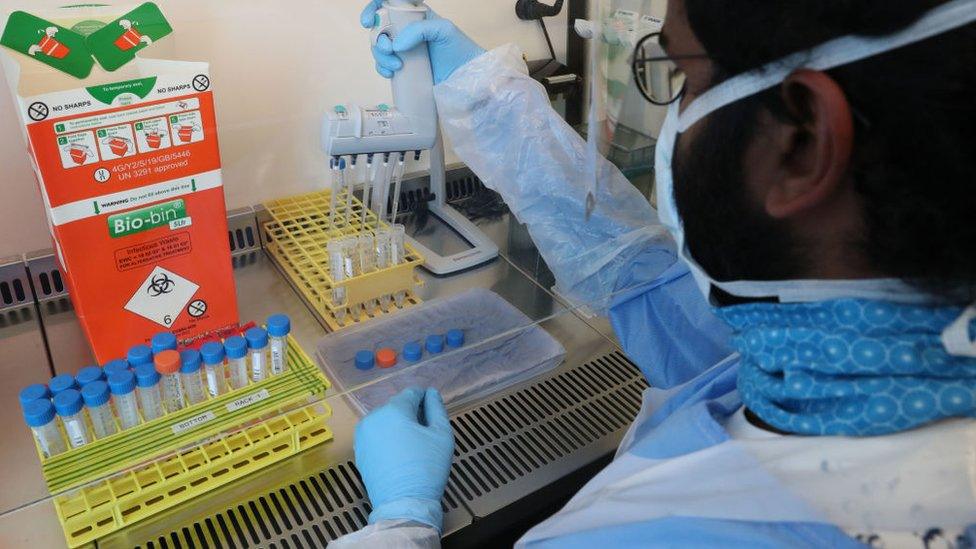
[(449, 48)]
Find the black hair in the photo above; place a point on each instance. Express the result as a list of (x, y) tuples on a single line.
[(914, 162)]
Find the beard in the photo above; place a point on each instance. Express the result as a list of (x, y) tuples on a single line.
[(727, 229)]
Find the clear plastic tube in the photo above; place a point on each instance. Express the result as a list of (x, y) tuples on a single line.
[(75, 428), (151, 402), (48, 437), (337, 270), (382, 244), (41, 417), (128, 409), (193, 387), (279, 348), (334, 190), (367, 186), (397, 184), (215, 379), (398, 254), (103, 421), (238, 372), (172, 392), (350, 182), (367, 264), (259, 364)]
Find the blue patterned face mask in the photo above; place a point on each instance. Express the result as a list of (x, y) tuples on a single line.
[(850, 367)]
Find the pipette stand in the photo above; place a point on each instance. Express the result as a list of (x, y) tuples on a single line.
[(411, 125)]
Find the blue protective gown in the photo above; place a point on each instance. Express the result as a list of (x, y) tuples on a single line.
[(621, 262)]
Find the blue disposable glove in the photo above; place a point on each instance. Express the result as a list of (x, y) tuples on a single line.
[(450, 49), (404, 452)]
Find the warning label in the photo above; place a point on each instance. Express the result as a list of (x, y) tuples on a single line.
[(153, 251)]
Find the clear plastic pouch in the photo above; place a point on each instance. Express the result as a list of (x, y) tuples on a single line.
[(502, 347)]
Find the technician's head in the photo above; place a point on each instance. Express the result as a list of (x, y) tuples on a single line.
[(864, 171)]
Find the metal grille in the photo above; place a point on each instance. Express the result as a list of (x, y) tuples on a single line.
[(242, 231), (307, 513), (527, 436), (14, 284), (516, 438), (47, 278)]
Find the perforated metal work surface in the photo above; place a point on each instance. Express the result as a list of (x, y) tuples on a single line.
[(507, 447)]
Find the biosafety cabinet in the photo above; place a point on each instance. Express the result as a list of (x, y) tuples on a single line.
[(170, 161)]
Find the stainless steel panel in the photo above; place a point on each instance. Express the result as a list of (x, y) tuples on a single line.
[(23, 361)]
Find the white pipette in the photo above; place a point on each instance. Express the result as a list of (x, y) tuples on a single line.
[(398, 181), (333, 194), (350, 189), (367, 186)]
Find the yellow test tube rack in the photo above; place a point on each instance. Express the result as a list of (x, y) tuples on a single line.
[(134, 474), (297, 237)]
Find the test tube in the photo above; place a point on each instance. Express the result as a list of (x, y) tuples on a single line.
[(39, 416), (96, 396), (150, 399), (115, 366), (367, 264), (69, 406), (337, 269), (139, 355), (257, 343), (236, 349), (398, 254), (279, 326), (168, 365), (123, 388), (61, 383), (89, 374), (37, 391), (190, 377), (212, 354), (163, 341), (382, 242)]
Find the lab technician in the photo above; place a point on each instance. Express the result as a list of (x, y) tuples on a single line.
[(800, 302)]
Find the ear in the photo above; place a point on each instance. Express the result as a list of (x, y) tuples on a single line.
[(816, 147)]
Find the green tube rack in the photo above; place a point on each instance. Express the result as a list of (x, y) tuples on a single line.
[(116, 481)]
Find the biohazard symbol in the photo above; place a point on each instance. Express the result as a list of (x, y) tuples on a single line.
[(160, 285)]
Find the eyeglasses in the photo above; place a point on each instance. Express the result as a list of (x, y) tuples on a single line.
[(658, 77)]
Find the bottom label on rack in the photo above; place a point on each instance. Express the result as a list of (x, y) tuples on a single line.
[(248, 400), (193, 423)]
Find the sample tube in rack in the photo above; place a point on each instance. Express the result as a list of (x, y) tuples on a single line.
[(123, 388), (70, 409), (398, 254), (212, 354), (236, 349), (190, 376), (367, 264), (279, 326), (89, 374), (62, 382), (37, 391), (96, 396), (40, 417), (139, 355), (163, 341), (115, 366), (337, 270), (168, 365), (147, 387), (257, 344), (382, 241)]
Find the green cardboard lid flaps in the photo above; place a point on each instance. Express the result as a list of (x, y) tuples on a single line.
[(75, 51)]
